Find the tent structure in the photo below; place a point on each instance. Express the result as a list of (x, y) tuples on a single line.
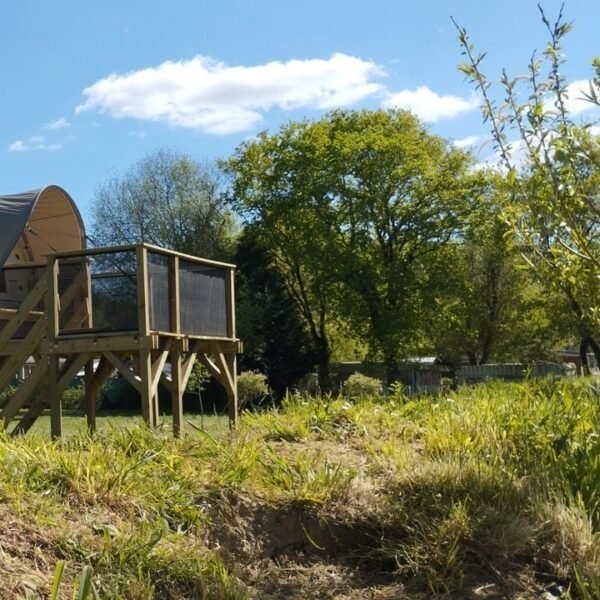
[(143, 311), (37, 223)]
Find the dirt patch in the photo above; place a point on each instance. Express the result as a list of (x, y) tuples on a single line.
[(28, 557)]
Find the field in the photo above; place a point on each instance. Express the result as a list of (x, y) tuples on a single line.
[(488, 492)]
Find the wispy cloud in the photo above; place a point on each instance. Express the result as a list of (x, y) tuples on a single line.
[(213, 97), (576, 90), (57, 124), (33, 143), (468, 142), (431, 106)]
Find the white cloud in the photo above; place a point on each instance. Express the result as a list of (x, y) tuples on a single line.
[(58, 124), (35, 142), (430, 106), (211, 96), (576, 90), (467, 142), (17, 146)]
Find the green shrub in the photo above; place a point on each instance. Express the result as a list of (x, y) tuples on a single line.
[(359, 386), (74, 397), (251, 387)]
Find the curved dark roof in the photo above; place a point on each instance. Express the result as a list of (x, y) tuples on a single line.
[(37, 222)]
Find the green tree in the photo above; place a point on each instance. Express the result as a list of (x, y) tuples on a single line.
[(347, 206), (485, 305), (553, 189), (275, 338), (169, 200)]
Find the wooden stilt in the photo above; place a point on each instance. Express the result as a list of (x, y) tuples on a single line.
[(90, 396), (54, 397), (177, 390), (145, 374), (232, 395)]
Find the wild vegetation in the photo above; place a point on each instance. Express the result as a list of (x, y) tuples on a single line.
[(490, 491)]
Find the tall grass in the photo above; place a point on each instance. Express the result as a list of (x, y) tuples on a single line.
[(443, 494)]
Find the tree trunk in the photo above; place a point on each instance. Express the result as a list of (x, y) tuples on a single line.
[(590, 342), (323, 360), (583, 346)]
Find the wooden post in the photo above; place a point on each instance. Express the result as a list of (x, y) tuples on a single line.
[(174, 311), (230, 357), (90, 396), (230, 301), (145, 356), (53, 312), (177, 392), (232, 395), (88, 293)]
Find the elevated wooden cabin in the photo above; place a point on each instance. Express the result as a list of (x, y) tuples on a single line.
[(132, 309)]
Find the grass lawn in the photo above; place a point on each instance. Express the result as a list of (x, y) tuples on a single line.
[(74, 423)]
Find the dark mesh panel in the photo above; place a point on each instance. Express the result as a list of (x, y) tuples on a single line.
[(158, 282), (202, 299), (111, 280)]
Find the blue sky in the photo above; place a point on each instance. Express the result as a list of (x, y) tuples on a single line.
[(91, 87)]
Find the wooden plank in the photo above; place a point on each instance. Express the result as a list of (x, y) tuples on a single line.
[(190, 258), (125, 370), (177, 390), (119, 343), (25, 390), (212, 368), (23, 312), (93, 251)]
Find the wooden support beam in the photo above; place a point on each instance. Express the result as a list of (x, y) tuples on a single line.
[(36, 408), (177, 390), (23, 312), (103, 371), (99, 344), (22, 351), (212, 368), (25, 390), (125, 370), (159, 364), (188, 365)]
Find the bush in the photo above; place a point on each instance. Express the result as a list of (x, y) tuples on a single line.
[(359, 385), (74, 397), (252, 387)]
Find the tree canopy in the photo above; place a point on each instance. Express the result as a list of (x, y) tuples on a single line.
[(167, 199), (347, 207)]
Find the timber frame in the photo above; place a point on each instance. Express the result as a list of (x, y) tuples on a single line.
[(62, 339)]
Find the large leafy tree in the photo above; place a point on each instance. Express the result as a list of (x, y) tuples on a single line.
[(347, 207), (167, 199), (553, 181)]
